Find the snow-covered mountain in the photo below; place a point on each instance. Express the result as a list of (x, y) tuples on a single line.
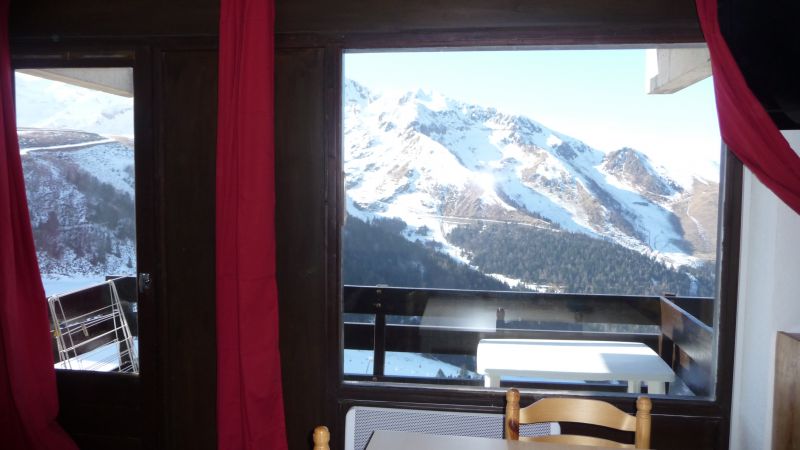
[(81, 201), (435, 162), (78, 160)]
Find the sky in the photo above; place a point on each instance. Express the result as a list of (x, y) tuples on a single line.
[(597, 96)]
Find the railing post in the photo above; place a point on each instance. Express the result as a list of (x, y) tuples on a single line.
[(380, 338)]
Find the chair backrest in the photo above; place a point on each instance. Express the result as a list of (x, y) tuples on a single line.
[(321, 438), (579, 410)]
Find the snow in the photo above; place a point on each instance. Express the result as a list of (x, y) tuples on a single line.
[(554, 141), (96, 133), (105, 358), (101, 359), (432, 100), (360, 362), (408, 155), (685, 173), (110, 163), (61, 285), (516, 282), (700, 229), (72, 272)]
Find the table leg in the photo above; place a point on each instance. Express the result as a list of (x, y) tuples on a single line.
[(656, 387), (634, 387)]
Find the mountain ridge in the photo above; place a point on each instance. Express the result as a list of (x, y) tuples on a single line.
[(410, 156)]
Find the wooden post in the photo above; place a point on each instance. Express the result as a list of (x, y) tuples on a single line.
[(321, 438), (643, 408), (512, 415)]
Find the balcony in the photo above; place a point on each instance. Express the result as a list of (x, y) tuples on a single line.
[(426, 336), (430, 336)]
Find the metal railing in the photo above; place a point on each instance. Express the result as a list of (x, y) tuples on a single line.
[(452, 322)]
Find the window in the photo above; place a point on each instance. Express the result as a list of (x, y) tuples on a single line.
[(537, 194), (76, 136)]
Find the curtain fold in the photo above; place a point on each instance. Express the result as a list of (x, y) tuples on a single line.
[(745, 126), (28, 397), (249, 393)]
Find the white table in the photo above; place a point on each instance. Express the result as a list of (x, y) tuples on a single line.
[(403, 440), (633, 362)]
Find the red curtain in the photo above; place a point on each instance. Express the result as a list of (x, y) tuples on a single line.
[(249, 394), (744, 124), (28, 399)]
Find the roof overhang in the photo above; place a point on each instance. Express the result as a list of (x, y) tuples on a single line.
[(112, 80), (677, 68)]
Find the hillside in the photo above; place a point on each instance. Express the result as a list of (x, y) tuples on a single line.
[(377, 254), (560, 261), (446, 168), (81, 200), (77, 151), (423, 157)]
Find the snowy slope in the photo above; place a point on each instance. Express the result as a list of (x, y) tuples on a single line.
[(436, 162), (77, 153), (90, 191), (360, 362)]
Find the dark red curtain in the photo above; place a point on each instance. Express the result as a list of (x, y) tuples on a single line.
[(28, 400), (249, 394), (744, 124)]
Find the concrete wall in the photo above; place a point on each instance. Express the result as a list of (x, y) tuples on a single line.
[(769, 301)]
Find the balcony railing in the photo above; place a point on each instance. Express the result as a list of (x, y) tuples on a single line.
[(448, 324)]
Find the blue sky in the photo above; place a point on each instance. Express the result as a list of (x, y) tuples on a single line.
[(597, 96)]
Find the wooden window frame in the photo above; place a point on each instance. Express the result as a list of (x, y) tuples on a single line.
[(709, 417)]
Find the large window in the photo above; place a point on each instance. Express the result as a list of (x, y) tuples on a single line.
[(542, 196), (76, 136)]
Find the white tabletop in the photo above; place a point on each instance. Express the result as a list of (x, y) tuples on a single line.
[(571, 360), (403, 440)]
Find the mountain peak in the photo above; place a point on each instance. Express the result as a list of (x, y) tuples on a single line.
[(356, 93), (423, 95), (635, 168), (429, 160), (432, 100)]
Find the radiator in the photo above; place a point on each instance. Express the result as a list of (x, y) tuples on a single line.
[(361, 421)]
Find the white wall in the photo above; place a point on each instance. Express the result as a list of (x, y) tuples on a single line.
[(769, 301)]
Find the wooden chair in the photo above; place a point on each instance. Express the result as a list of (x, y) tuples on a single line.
[(579, 410), (321, 438)]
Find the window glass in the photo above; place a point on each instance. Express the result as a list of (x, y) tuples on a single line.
[(544, 194), (76, 139)]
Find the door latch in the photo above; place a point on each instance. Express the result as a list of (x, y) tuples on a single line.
[(145, 282)]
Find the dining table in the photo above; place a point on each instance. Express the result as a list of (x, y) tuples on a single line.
[(404, 440)]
